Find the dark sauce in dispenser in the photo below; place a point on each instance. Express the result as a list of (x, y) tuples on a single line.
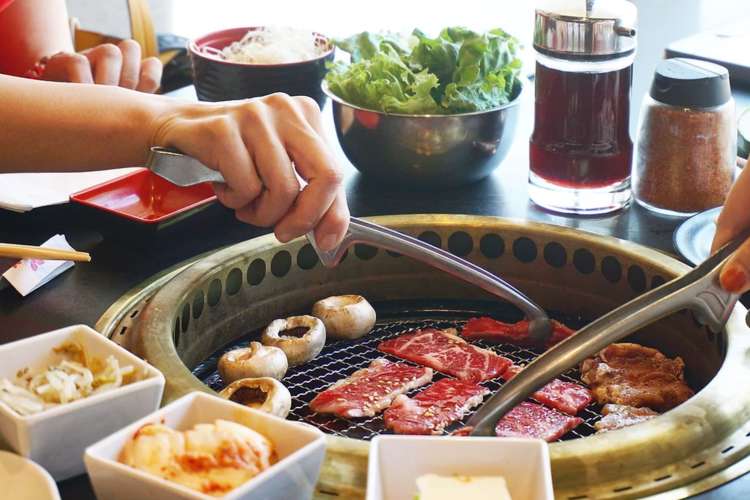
[(581, 137)]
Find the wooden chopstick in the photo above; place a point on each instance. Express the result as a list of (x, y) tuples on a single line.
[(32, 252)]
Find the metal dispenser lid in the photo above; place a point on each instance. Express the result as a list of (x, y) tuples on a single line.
[(585, 29)]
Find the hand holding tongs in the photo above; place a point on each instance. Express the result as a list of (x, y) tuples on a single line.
[(698, 290), (184, 170)]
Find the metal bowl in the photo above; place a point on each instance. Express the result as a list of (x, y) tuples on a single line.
[(426, 151)]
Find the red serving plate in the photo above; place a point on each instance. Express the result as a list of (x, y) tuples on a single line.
[(145, 197)]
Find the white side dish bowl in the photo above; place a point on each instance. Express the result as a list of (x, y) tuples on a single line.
[(28, 480), (397, 461), (299, 449), (56, 438)]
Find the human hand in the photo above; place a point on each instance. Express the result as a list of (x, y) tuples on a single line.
[(106, 64), (261, 146), (734, 220)]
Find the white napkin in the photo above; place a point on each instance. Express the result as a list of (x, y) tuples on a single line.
[(24, 192), (29, 274)]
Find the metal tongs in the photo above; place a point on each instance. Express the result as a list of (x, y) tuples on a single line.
[(698, 290), (184, 170)]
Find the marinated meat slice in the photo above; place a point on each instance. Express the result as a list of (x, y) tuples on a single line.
[(493, 330), (444, 351), (566, 397), (532, 420), (634, 375), (619, 416), (368, 391), (430, 411)]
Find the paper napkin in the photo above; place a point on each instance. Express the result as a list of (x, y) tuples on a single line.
[(29, 274), (24, 192)]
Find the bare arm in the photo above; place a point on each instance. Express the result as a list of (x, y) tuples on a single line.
[(259, 145), (31, 30), (49, 126)]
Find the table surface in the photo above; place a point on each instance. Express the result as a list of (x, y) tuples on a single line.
[(123, 255)]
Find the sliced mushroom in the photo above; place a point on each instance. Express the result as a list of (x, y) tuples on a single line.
[(345, 316), (256, 360), (265, 394), (300, 337)]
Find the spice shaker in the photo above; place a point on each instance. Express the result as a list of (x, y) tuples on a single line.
[(687, 149), (581, 151)]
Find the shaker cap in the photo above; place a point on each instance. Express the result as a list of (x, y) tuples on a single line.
[(691, 83), (585, 29)]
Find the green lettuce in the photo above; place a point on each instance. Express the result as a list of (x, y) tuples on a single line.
[(459, 71)]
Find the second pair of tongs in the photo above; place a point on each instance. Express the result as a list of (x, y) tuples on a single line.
[(184, 170), (699, 290)]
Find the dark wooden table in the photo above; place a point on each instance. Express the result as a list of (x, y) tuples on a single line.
[(125, 254)]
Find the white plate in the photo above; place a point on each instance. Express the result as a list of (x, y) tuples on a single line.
[(694, 236), (397, 461), (30, 482), (57, 437), (299, 448)]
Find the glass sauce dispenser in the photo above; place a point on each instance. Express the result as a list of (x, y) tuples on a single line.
[(581, 150)]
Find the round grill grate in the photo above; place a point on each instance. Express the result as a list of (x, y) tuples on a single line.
[(340, 359)]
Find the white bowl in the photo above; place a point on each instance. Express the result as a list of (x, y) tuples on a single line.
[(397, 461), (57, 437), (30, 482), (299, 448)]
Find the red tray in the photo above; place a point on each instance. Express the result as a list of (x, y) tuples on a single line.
[(145, 197)]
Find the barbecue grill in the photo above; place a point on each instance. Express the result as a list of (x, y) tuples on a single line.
[(183, 319)]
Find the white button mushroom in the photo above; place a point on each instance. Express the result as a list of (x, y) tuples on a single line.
[(345, 316), (256, 360), (300, 337), (265, 394)]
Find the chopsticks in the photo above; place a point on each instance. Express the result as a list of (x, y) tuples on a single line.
[(32, 252)]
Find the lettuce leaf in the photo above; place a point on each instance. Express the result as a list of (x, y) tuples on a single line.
[(458, 71)]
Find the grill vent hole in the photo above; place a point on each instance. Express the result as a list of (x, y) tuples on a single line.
[(460, 243), (198, 304), (256, 271), (185, 316), (135, 313), (281, 263), (432, 238), (663, 478), (234, 281), (176, 334), (214, 292), (555, 254), (611, 269), (584, 261), (637, 279), (365, 252), (623, 488), (306, 257), (524, 250), (727, 449), (492, 246), (699, 464)]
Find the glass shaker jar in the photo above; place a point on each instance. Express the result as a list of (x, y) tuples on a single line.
[(687, 147), (580, 150)]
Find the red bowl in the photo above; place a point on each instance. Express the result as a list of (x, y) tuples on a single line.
[(145, 197), (216, 79)]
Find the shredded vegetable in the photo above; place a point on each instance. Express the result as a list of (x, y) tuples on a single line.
[(273, 45), (75, 377)]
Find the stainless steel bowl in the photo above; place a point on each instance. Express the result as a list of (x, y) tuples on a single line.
[(425, 150)]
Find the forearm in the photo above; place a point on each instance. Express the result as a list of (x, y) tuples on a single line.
[(30, 30), (46, 126)]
